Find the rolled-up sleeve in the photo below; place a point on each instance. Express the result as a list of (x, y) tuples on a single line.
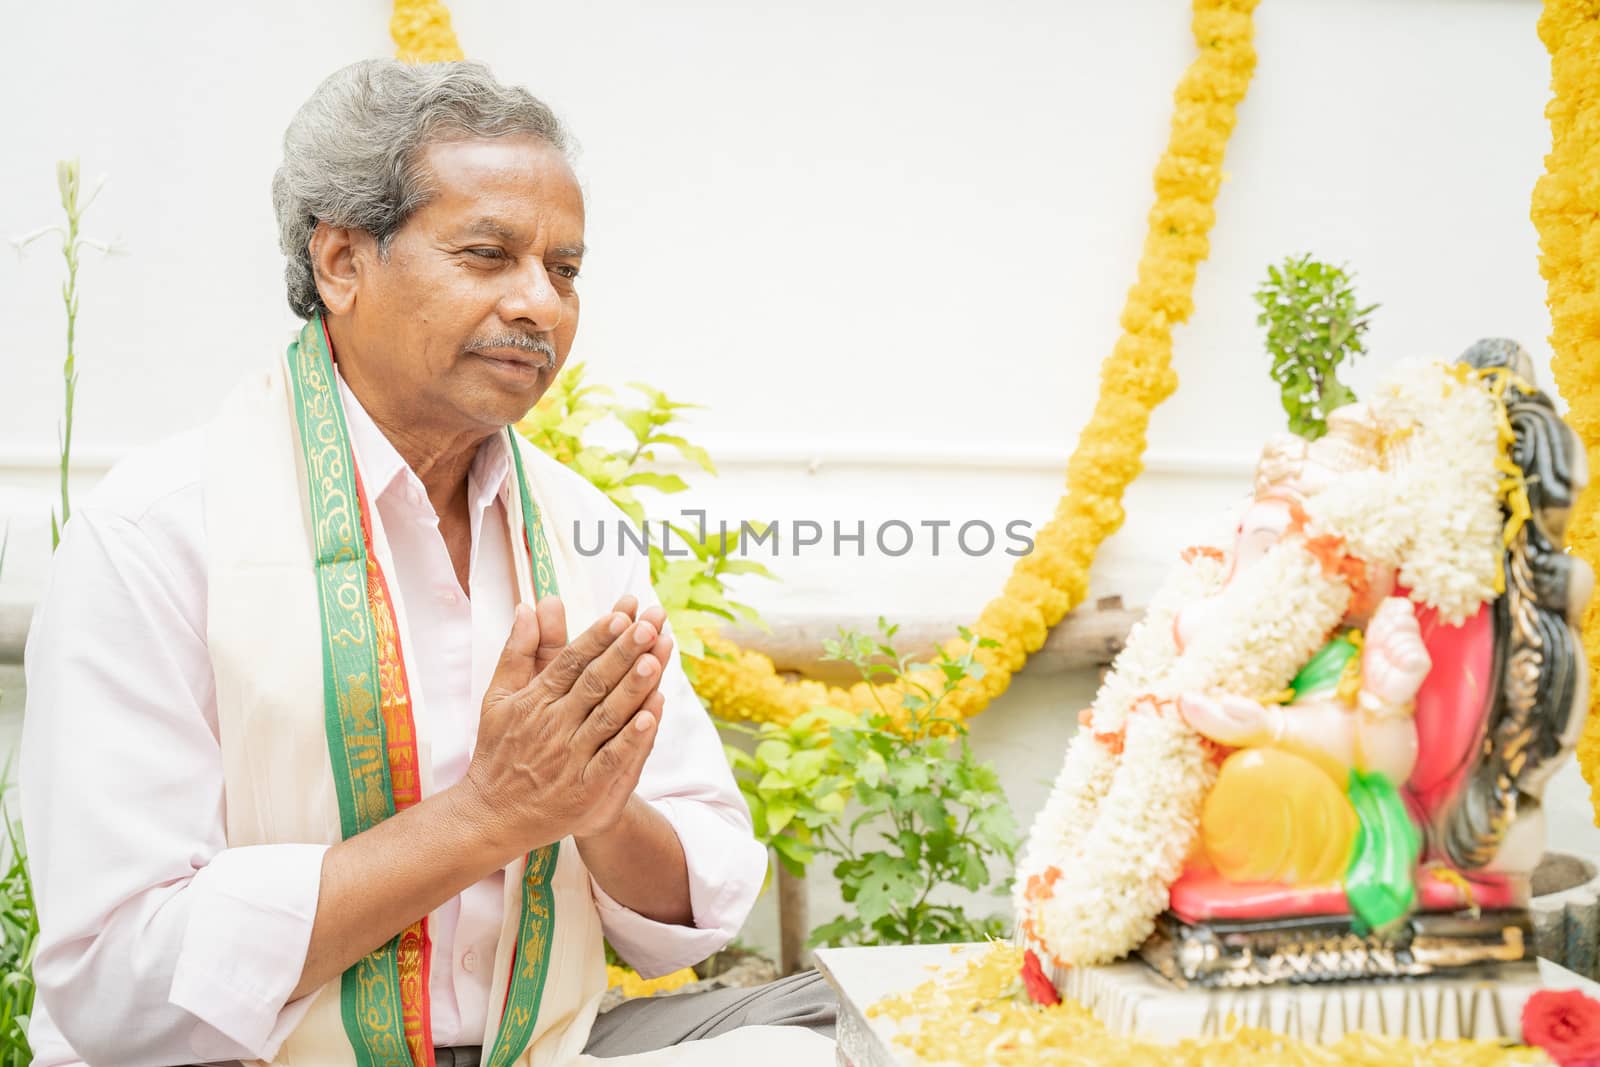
[(688, 781), (158, 944)]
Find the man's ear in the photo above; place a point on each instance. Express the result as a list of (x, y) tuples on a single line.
[(337, 259)]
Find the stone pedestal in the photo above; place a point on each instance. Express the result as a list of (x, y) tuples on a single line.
[(1134, 1000), (1566, 913)]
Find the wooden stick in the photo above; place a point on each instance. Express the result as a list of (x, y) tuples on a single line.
[(794, 923), (1087, 639)]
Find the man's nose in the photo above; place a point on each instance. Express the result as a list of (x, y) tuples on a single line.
[(533, 298)]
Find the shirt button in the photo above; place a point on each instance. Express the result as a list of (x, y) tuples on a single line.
[(469, 961)]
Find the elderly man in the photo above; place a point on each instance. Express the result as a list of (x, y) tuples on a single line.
[(336, 751)]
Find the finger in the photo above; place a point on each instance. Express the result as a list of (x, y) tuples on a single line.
[(552, 615), (605, 672), (655, 615), (621, 760), (1397, 609), (556, 680), (628, 605), (662, 649), (1416, 659), (516, 664), (618, 706)]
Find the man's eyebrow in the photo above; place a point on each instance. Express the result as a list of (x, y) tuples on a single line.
[(487, 226)]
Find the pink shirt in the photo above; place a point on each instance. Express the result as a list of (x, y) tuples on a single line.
[(161, 945)]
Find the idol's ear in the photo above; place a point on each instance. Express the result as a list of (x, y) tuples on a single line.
[(336, 263)]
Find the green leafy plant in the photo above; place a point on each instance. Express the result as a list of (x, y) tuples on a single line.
[(19, 921), (794, 782), (72, 244), (936, 816), (571, 407), (1314, 324), (19, 931), (692, 587), (694, 590)]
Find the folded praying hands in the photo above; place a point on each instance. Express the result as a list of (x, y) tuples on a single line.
[(566, 725)]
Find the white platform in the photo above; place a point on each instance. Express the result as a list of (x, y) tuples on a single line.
[(1132, 999)]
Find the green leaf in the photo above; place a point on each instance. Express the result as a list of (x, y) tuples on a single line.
[(774, 782), (972, 873), (665, 483), (823, 715), (928, 807), (835, 932), (882, 884), (908, 777), (638, 422), (795, 855), (774, 753), (806, 766), (746, 566), (779, 814), (752, 800), (833, 803), (693, 453)]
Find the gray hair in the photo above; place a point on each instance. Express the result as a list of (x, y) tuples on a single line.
[(352, 155)]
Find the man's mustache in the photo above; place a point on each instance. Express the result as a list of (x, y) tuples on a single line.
[(518, 341)]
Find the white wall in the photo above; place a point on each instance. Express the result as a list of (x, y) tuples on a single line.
[(893, 235)]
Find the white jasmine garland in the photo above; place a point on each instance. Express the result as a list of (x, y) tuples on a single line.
[(1150, 649), (1435, 515), (1119, 829), (1116, 884), (1086, 774), (1452, 487)]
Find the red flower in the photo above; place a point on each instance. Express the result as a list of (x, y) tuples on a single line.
[(1566, 1025), (1040, 989)]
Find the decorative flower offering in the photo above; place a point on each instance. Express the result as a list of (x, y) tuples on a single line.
[(1333, 731), (1565, 1025)]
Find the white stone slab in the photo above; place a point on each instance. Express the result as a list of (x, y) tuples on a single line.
[(1132, 999)]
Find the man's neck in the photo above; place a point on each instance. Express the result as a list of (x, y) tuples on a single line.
[(439, 456)]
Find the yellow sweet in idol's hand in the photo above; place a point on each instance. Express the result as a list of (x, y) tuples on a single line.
[(1277, 817)]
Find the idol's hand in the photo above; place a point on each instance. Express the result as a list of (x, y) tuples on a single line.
[(566, 726), (1231, 720), (1394, 660)]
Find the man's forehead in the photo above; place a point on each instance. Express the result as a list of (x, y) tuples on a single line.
[(511, 168)]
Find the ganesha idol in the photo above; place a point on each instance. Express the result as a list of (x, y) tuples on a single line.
[(1320, 755)]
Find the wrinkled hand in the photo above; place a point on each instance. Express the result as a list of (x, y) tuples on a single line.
[(566, 726), (1235, 721), (1394, 661)]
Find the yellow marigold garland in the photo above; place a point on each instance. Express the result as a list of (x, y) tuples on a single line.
[(1137, 376), (1566, 210), (635, 986), (974, 1018), (422, 33)]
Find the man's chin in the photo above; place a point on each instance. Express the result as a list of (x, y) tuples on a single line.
[(516, 376), (501, 402)]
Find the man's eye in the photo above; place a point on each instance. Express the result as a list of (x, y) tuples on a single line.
[(565, 271), (487, 253)]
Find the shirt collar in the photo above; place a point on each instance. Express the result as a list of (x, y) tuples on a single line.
[(383, 468)]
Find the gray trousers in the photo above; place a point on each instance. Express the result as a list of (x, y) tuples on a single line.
[(645, 1024)]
